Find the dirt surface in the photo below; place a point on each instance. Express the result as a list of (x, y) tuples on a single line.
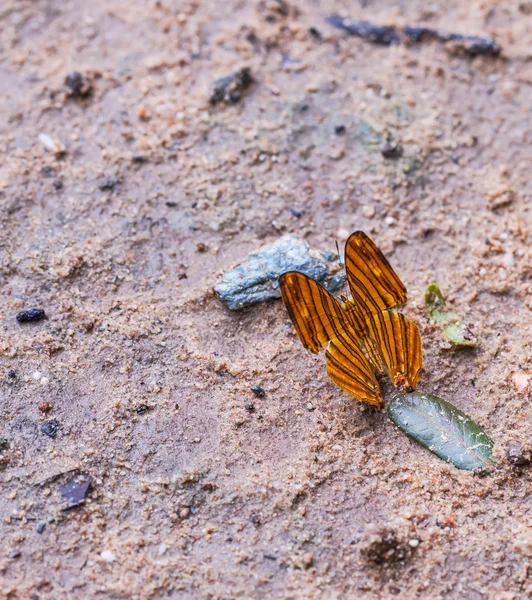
[(120, 222)]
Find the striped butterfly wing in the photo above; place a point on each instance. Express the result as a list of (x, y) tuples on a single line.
[(319, 318), (374, 285), (316, 314), (351, 371), (399, 341)]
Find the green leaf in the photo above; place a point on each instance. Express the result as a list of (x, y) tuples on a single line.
[(442, 428), (453, 328)]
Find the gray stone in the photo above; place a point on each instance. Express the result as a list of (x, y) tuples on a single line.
[(256, 279)]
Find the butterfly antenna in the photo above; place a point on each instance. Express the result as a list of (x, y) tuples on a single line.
[(338, 252)]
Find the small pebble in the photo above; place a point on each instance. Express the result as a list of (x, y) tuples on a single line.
[(50, 428), (368, 211), (55, 146), (342, 234), (161, 549), (413, 543), (31, 315), (44, 406), (392, 150), (37, 375), (108, 556), (258, 391)]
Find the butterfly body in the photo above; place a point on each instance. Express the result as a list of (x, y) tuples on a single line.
[(363, 335)]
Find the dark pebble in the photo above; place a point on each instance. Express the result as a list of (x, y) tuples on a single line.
[(14, 554), (41, 527), (258, 391), (229, 88), (518, 455), (78, 85), (142, 408), (138, 158), (171, 204), (295, 212), (250, 407), (11, 375), (31, 315), (48, 171), (108, 183), (339, 129), (392, 150), (58, 184), (50, 428), (315, 34)]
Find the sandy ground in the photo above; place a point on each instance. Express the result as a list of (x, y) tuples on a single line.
[(148, 376)]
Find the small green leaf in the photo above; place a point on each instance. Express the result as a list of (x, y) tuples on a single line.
[(453, 328), (442, 428)]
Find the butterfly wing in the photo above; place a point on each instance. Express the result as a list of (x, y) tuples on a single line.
[(399, 341), (350, 370), (375, 286), (319, 318)]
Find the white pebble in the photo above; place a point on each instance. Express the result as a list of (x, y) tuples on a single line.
[(390, 221), (55, 146), (37, 375), (44, 380), (413, 543), (162, 548), (108, 556)]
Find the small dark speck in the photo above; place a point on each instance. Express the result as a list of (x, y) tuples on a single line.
[(270, 557), (40, 527), (58, 184), (142, 408), (250, 407), (11, 375), (315, 34), (138, 158), (339, 129), (171, 204), (392, 150), (31, 315), (50, 428), (201, 247), (48, 171), (182, 276), (108, 183), (295, 212), (258, 391), (14, 554)]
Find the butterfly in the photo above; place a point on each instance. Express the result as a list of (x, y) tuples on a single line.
[(363, 335)]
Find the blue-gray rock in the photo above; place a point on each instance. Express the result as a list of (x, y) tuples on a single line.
[(256, 279)]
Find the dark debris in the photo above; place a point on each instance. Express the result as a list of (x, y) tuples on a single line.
[(469, 45), (230, 88), (50, 428), (258, 391), (31, 315), (79, 86), (377, 34), (392, 150), (75, 490)]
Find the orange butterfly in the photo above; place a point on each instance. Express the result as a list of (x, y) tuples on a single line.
[(364, 336)]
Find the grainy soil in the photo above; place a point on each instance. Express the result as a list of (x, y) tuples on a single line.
[(121, 221)]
